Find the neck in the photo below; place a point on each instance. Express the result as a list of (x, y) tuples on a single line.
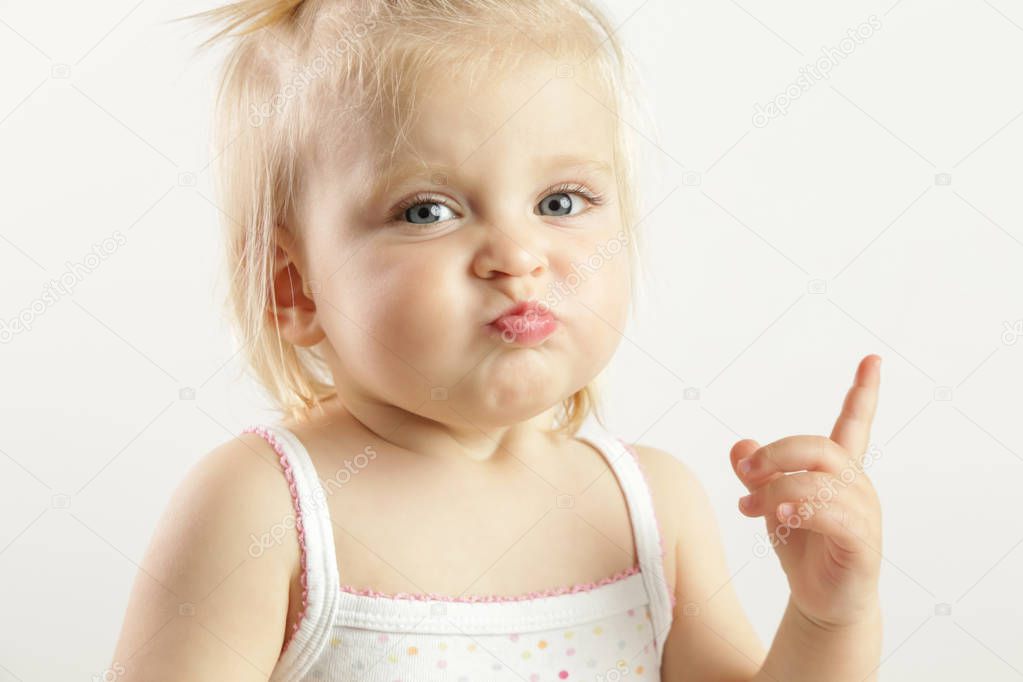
[(431, 438)]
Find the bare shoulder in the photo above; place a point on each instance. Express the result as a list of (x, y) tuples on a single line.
[(674, 485), (710, 637), (675, 489), (665, 472), (211, 594)]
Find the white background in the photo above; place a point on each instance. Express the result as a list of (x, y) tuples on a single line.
[(104, 118)]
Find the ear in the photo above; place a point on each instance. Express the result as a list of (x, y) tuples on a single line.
[(296, 310)]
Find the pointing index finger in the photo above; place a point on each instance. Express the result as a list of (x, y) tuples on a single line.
[(852, 428)]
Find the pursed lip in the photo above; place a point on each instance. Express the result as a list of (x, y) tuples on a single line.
[(527, 323), (525, 308)]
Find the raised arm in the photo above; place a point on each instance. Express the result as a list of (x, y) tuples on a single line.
[(828, 543), (824, 520)]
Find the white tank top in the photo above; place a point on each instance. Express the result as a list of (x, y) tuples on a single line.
[(603, 631)]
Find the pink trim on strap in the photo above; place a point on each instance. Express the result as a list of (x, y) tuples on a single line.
[(473, 598), (660, 534), (428, 596), (299, 527)]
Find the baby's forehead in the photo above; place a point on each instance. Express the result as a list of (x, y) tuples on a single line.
[(524, 123), (538, 162), (539, 130), (444, 157)]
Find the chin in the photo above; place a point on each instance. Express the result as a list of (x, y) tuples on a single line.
[(503, 406)]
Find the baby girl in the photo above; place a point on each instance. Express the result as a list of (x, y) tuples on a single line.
[(430, 213)]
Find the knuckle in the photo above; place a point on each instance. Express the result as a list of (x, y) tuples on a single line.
[(832, 454), (827, 447)]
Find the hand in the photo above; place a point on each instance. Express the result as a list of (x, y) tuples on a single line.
[(824, 522)]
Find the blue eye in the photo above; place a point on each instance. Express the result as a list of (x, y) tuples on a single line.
[(425, 211), (560, 204)]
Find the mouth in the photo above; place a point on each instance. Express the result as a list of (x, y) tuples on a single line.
[(526, 323)]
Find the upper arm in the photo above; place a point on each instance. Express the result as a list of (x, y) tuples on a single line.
[(710, 637), (205, 605)]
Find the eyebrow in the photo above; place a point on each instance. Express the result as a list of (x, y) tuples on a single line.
[(410, 170), (572, 161)]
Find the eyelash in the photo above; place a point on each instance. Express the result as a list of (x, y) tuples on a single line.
[(595, 198)]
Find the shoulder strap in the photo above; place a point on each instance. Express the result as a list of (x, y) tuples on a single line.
[(320, 595), (649, 544)]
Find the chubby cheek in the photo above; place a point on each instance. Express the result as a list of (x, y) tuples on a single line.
[(592, 293), (410, 314)]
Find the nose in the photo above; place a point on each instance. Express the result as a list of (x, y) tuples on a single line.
[(511, 254)]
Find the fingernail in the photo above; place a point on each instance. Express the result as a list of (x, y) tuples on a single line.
[(745, 502), (786, 510), (745, 465)]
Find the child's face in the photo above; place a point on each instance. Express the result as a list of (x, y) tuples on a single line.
[(404, 297)]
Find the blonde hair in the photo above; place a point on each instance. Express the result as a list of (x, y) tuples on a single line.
[(299, 71)]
